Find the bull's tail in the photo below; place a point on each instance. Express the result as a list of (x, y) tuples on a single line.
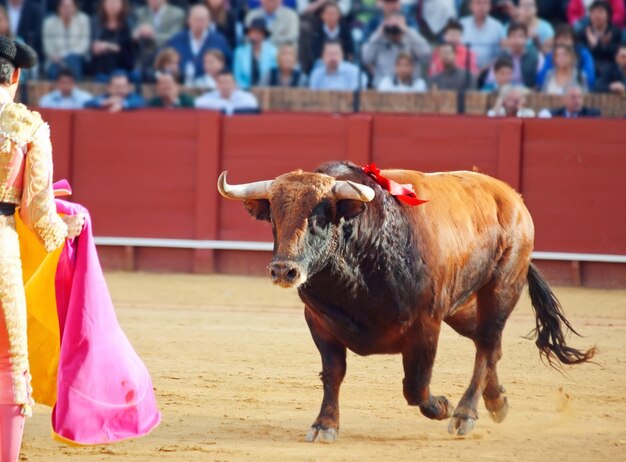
[(549, 320)]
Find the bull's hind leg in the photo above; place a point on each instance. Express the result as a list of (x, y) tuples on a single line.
[(326, 426), (418, 357), (494, 303)]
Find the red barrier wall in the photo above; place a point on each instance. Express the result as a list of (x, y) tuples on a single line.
[(153, 173)]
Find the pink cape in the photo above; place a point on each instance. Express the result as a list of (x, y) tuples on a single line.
[(104, 391)]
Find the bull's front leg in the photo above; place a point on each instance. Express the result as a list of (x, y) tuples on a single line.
[(326, 426), (418, 358)]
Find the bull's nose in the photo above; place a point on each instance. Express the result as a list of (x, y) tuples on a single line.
[(284, 272)]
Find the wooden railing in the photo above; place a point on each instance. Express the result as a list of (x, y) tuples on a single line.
[(434, 102)]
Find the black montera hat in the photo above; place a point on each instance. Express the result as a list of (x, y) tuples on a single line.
[(18, 54)]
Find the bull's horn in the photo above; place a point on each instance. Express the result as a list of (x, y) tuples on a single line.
[(355, 191), (257, 190)]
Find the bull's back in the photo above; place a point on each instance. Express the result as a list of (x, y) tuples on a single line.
[(469, 221)]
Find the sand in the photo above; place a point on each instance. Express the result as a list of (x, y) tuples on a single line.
[(236, 376)]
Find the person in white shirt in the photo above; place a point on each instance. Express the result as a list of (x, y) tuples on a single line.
[(228, 98), (67, 95), (403, 80)]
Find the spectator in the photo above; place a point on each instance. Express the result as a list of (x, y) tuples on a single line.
[(228, 98), (578, 13), (393, 37), (573, 106), (287, 73), (192, 44), (565, 36), (433, 17), (464, 57), (156, 23), (119, 95), (335, 73), (502, 75), (66, 95), (404, 79), (168, 94), (26, 22), (254, 58), (483, 32), (552, 11), (452, 77), (224, 20), (112, 43), (330, 27), (66, 37), (213, 65), (540, 32), (614, 81), (511, 103), (168, 61), (385, 10), (565, 72), (282, 22), (315, 7), (527, 61), (600, 36)]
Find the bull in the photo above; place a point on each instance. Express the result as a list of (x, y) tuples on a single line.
[(378, 276)]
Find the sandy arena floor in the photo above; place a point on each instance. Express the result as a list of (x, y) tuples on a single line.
[(236, 377)]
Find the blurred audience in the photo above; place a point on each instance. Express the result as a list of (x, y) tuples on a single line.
[(614, 81), (540, 31), (213, 65), (157, 22), (193, 43), (227, 98), (452, 77), (433, 16), (26, 21), (168, 94), (600, 36), (465, 58), (66, 95), (573, 104), (527, 61), (111, 40), (483, 33), (404, 79), (286, 73), (393, 37), (335, 73), (167, 61), (331, 26), (256, 57), (511, 103), (66, 36), (502, 75), (119, 95), (282, 22), (578, 12), (565, 36), (224, 19), (386, 9), (564, 73)]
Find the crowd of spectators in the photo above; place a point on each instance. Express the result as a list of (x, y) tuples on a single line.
[(227, 47)]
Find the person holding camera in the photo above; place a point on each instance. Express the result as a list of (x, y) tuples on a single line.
[(393, 37)]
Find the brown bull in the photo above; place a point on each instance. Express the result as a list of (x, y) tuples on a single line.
[(377, 276)]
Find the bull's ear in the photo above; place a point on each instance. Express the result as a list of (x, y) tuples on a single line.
[(258, 208), (348, 209)]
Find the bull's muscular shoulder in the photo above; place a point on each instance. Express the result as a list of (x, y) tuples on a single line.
[(19, 124)]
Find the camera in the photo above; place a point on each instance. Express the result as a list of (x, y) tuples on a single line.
[(392, 30)]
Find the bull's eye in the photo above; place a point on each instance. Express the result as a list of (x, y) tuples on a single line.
[(320, 217)]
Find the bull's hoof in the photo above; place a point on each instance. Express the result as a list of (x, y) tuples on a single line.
[(321, 435), (461, 426), (498, 415)]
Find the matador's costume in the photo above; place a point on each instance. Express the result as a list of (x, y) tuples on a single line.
[(81, 361)]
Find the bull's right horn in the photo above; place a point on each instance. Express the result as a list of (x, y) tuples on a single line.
[(351, 190), (257, 190)]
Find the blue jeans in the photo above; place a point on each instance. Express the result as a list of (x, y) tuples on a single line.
[(72, 62)]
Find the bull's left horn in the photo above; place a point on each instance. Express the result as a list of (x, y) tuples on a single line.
[(257, 190), (355, 191)]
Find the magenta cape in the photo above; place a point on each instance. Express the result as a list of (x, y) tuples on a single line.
[(104, 392)]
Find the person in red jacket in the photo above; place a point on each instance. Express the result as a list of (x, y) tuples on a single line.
[(578, 11)]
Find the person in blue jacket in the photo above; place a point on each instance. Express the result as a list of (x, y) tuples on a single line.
[(256, 57)]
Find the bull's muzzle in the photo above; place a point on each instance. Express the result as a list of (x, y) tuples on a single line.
[(286, 273)]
